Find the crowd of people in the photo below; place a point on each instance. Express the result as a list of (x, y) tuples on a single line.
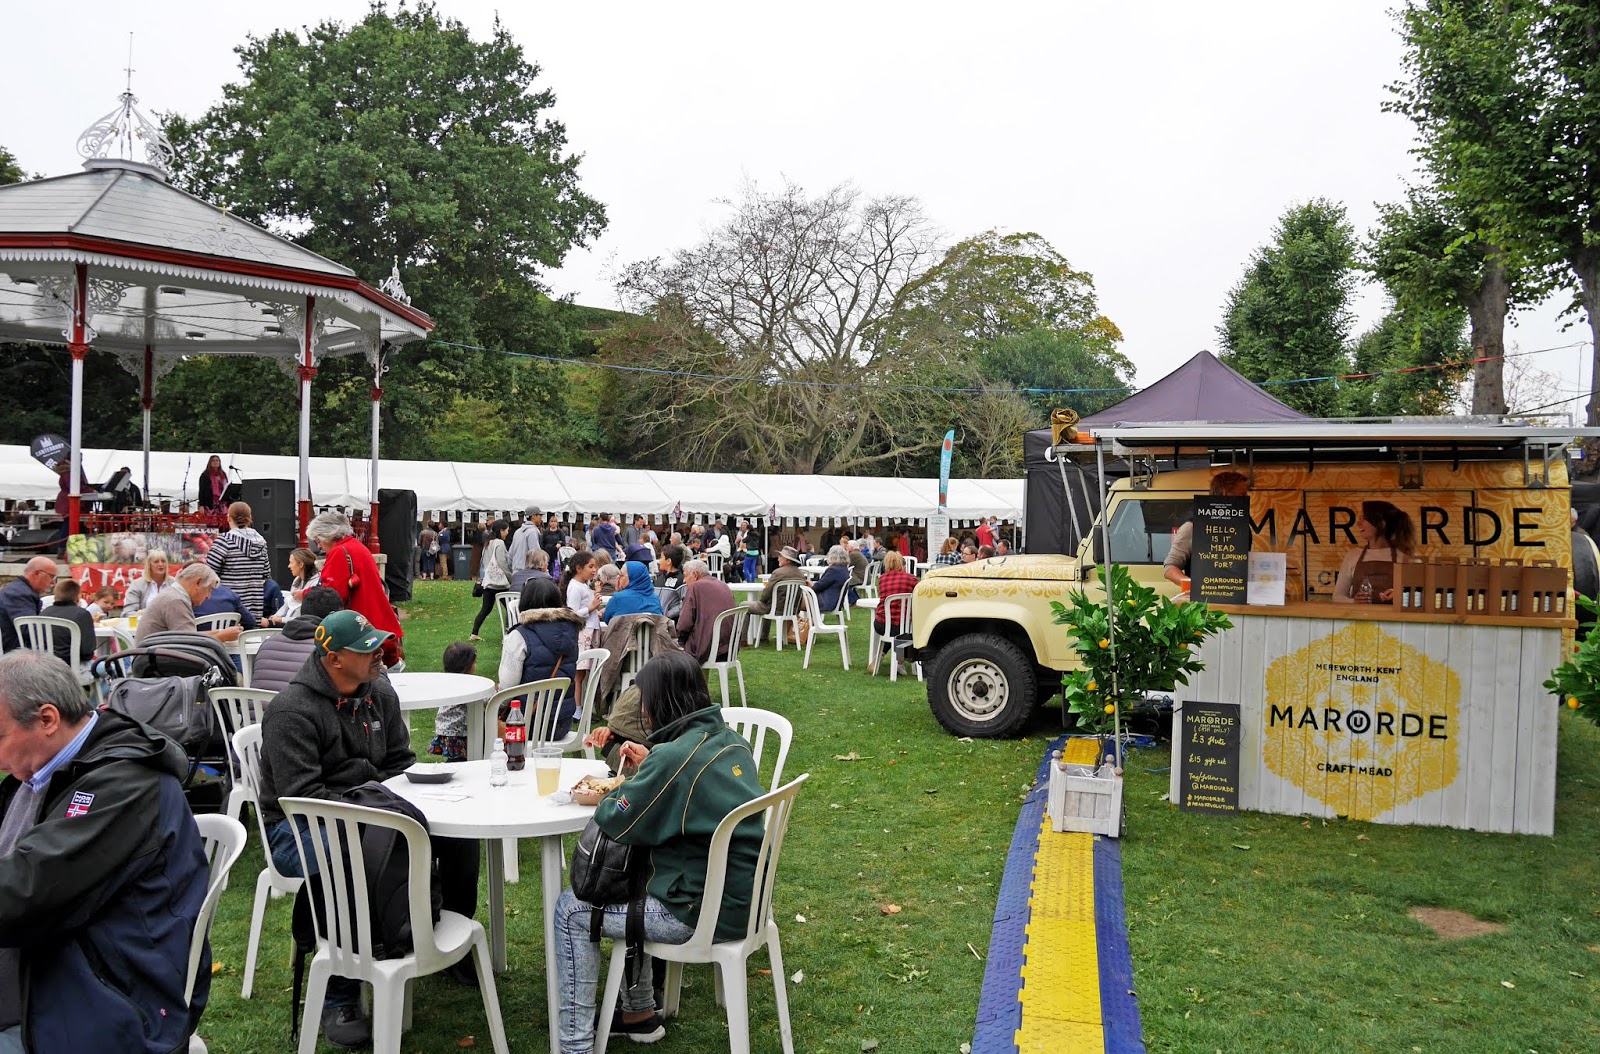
[(72, 889)]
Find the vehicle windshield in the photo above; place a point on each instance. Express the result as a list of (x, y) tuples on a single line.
[(1141, 529)]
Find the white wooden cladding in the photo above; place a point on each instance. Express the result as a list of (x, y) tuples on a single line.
[(1502, 731)]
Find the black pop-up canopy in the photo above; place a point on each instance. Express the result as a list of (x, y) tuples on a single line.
[(1202, 389)]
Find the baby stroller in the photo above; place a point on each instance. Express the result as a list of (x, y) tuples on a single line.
[(165, 683)]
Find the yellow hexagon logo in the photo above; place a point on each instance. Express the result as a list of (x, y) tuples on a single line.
[(1362, 722)]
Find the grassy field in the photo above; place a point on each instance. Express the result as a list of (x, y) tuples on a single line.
[(1300, 942)]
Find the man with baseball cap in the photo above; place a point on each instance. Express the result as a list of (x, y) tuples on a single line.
[(336, 726), (526, 537)]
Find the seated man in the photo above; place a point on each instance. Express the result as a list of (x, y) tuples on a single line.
[(283, 654), (66, 607), (19, 598), (336, 726), (704, 598), (173, 609), (101, 873), (224, 601)]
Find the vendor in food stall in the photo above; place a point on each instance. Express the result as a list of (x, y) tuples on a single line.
[(1387, 538)]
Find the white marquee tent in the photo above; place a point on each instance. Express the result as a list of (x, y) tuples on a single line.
[(464, 487)]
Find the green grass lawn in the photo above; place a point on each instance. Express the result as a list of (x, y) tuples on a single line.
[(1299, 943)]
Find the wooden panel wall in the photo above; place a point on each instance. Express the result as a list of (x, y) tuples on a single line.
[(1484, 758)]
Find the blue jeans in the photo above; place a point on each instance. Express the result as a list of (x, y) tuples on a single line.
[(578, 963), (751, 571)]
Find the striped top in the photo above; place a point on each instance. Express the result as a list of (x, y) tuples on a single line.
[(239, 557)]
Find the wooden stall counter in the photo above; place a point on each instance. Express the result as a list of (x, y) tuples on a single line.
[(1374, 713), (1327, 609)]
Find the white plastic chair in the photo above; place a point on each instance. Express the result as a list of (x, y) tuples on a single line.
[(221, 620), (896, 610), (822, 628), (223, 840), (238, 708), (869, 586), (761, 728), (729, 626), (730, 957), (508, 605), (714, 564), (591, 689), (785, 609), (247, 658), (344, 946), (39, 632), (270, 883)]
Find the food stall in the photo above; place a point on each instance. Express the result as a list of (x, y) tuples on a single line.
[(1428, 708)]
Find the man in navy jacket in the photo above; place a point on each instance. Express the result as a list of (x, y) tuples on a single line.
[(102, 874)]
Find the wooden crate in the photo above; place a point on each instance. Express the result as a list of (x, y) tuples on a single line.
[(1079, 800)]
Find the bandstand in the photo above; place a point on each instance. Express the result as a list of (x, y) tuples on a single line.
[(115, 258)]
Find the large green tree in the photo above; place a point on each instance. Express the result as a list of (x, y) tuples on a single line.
[(1289, 316), (1505, 95), (1013, 306), (401, 138)]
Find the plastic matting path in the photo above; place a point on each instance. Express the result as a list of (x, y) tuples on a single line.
[(1059, 977)]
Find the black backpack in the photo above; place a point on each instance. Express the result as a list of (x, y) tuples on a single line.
[(388, 874)]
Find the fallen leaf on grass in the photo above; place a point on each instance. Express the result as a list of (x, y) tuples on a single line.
[(1362, 838), (1507, 984), (868, 1046), (764, 973), (799, 918), (889, 909), (852, 756), (1236, 845), (466, 1041), (930, 790), (799, 977), (216, 967), (966, 1048)]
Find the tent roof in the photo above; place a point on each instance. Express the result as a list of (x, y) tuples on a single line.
[(1202, 389), (459, 486)]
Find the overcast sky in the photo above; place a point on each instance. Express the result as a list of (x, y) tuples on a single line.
[(1154, 145)]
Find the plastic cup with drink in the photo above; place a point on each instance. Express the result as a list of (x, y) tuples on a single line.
[(547, 770)]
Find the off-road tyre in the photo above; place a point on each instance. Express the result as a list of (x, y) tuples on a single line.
[(983, 686)]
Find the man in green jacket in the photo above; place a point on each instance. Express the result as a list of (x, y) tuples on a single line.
[(692, 771)]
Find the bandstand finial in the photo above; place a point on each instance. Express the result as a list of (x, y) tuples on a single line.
[(116, 136)]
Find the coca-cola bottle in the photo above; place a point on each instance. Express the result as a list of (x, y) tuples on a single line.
[(516, 739)]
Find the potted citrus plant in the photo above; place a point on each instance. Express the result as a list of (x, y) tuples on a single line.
[(1150, 648)]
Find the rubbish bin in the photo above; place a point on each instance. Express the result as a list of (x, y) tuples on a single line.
[(461, 563)]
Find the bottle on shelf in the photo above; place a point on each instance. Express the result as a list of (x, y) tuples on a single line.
[(497, 764), (516, 738)]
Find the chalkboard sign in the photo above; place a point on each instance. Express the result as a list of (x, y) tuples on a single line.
[(1220, 550), (1208, 751)]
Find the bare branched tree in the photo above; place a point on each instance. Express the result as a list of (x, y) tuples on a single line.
[(791, 297)]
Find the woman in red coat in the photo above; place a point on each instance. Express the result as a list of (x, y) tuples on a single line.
[(349, 570)]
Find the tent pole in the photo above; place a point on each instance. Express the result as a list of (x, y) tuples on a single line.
[(307, 371), (80, 350), (1111, 609)]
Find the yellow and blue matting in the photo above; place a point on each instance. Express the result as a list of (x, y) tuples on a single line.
[(1059, 976)]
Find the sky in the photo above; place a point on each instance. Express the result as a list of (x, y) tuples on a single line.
[(1154, 145)]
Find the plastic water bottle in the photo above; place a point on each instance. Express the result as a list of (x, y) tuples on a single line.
[(516, 739), (1364, 594), (497, 764)]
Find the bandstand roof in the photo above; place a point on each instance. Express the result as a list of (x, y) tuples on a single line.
[(169, 271)]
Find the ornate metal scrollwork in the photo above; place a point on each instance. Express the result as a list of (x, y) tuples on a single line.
[(114, 136)]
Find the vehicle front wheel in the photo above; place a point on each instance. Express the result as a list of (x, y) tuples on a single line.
[(982, 685)]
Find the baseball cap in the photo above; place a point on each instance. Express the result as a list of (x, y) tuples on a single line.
[(349, 631)]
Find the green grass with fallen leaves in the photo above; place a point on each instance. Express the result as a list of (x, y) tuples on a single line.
[(1299, 943)]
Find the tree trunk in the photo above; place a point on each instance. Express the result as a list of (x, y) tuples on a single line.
[(1487, 310), (1587, 268)]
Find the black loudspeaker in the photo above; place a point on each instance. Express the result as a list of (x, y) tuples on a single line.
[(397, 537), (272, 505)]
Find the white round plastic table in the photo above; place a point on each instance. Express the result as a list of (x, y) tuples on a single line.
[(429, 691), (468, 807)]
